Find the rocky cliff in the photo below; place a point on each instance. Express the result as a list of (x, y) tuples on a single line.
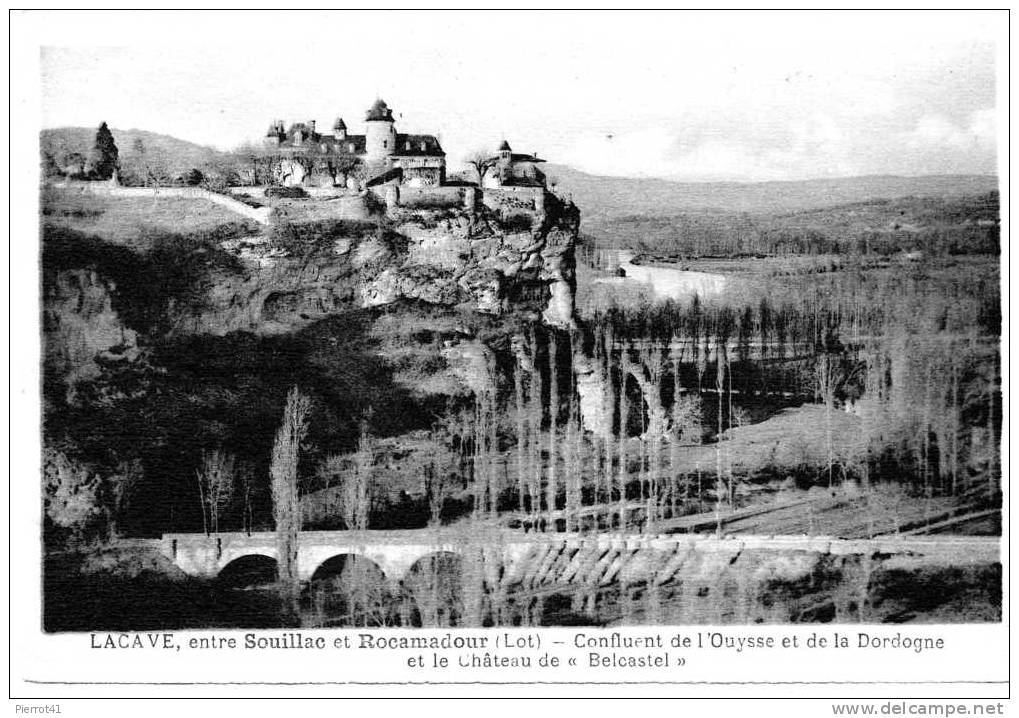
[(479, 260), (81, 327), (449, 257)]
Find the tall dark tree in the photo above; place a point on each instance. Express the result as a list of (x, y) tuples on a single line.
[(104, 158)]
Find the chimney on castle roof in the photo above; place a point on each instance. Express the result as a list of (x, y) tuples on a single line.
[(311, 127)]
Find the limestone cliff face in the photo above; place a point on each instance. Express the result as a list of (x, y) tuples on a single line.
[(452, 258), (475, 260), (81, 326)]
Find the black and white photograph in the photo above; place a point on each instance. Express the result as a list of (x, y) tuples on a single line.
[(517, 320)]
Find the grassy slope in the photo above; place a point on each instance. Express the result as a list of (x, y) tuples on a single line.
[(130, 221)]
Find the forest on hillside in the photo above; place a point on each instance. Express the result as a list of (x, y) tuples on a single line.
[(934, 225)]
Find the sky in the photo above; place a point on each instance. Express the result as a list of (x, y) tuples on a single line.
[(743, 96)]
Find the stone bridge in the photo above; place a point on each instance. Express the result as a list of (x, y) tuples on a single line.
[(592, 559)]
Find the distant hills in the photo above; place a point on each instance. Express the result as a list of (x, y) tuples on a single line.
[(180, 154), (603, 198)]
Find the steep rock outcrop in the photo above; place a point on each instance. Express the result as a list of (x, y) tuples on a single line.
[(81, 326), (473, 260), (445, 257)]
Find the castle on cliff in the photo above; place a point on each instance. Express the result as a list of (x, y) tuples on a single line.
[(386, 156), (414, 160)]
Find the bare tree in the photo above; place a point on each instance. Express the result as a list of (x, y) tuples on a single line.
[(624, 421), (721, 488), (138, 150), (216, 484), (435, 490), (480, 161), (609, 407), (342, 166), (357, 485), (831, 377), (202, 503), (247, 476), (285, 500), (155, 164)]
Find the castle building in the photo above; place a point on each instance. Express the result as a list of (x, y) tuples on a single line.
[(388, 156), (510, 169)]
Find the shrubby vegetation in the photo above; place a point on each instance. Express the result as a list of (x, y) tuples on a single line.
[(286, 192), (300, 239)]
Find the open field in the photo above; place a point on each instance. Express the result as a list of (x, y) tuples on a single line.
[(133, 221)]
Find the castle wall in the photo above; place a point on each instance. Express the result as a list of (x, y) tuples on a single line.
[(496, 197), (431, 196), (422, 177), (422, 171), (511, 201), (327, 192), (418, 162)]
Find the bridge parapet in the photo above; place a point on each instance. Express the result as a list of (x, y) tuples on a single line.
[(533, 558)]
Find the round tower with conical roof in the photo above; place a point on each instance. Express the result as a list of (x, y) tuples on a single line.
[(502, 167), (379, 132), (275, 134), (340, 130), (505, 153)]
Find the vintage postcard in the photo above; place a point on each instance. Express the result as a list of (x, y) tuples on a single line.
[(510, 353)]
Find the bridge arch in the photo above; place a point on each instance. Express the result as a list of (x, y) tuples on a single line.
[(349, 589), (251, 569), (345, 563), (434, 590)]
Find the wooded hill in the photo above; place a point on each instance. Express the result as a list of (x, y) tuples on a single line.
[(607, 197)]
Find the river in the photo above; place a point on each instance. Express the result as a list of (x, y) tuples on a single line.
[(668, 282)]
